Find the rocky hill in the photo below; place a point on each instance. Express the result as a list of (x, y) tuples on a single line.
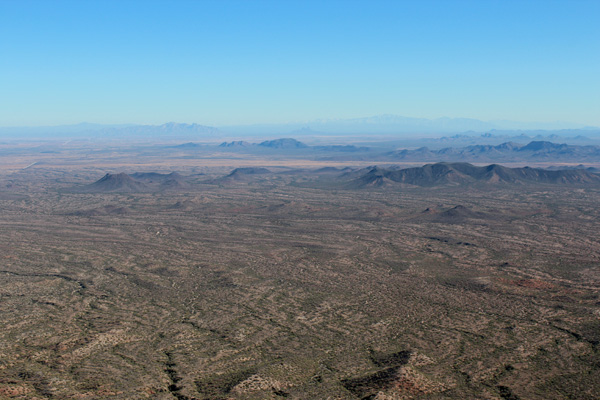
[(447, 174), (120, 183)]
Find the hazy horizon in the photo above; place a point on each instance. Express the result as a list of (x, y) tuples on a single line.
[(543, 125), (299, 199), (245, 63)]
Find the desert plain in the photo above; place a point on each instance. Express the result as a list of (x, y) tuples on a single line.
[(285, 279)]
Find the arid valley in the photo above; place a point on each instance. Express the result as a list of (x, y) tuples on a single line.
[(299, 199), (132, 277)]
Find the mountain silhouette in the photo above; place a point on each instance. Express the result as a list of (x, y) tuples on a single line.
[(121, 183), (453, 174)]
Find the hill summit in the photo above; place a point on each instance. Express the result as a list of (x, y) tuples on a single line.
[(121, 183)]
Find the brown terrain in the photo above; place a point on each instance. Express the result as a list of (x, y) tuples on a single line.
[(287, 281)]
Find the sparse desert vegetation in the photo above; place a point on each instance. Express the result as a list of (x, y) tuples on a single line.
[(308, 200), (274, 283)]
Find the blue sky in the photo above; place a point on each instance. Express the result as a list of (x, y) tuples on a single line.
[(241, 62)]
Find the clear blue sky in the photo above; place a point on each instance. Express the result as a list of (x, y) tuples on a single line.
[(237, 62)]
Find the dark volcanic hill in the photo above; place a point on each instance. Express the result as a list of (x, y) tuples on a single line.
[(244, 174), (137, 182), (241, 172), (121, 183), (452, 174)]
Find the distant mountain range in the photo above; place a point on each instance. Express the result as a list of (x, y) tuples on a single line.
[(534, 151), (395, 124), (538, 151), (495, 137), (375, 125), (170, 130), (286, 144)]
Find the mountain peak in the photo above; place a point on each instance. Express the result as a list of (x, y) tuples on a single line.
[(285, 143), (120, 182)]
